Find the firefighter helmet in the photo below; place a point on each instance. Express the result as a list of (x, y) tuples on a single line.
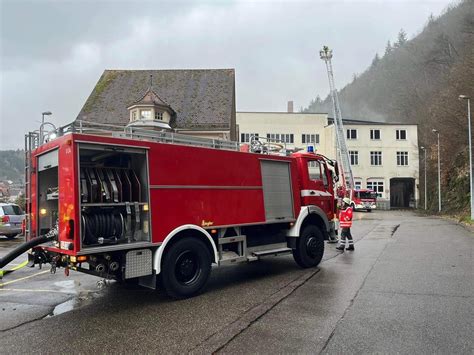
[(346, 200)]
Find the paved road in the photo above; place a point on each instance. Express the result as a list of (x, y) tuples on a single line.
[(407, 288)]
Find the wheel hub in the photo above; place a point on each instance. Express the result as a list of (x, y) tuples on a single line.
[(312, 246), (187, 267)]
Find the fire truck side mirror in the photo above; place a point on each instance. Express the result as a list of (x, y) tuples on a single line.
[(336, 171)]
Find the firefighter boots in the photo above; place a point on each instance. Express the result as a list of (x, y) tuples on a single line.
[(350, 247)]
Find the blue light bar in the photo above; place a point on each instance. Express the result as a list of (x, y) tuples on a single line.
[(310, 149)]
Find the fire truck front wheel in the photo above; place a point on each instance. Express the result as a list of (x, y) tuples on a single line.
[(186, 268), (309, 247)]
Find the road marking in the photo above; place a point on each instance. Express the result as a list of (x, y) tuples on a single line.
[(44, 290), (24, 278)]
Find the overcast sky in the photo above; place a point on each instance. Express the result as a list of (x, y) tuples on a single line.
[(53, 52)]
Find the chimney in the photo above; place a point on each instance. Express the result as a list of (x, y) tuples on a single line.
[(290, 106)]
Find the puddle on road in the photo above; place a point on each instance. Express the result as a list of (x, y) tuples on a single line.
[(80, 298)]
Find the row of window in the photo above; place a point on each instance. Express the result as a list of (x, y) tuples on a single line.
[(146, 115), (376, 158), (400, 134), (282, 137)]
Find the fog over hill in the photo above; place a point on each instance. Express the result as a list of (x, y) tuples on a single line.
[(418, 81)]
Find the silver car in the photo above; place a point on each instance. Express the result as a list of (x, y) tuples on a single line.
[(11, 219)]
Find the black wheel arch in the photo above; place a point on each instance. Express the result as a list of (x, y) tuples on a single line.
[(193, 233)]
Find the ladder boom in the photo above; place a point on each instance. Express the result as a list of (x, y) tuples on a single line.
[(342, 151)]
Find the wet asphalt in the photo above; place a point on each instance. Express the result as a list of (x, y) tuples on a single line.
[(408, 288)]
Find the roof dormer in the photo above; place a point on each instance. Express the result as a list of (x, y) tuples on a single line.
[(150, 111)]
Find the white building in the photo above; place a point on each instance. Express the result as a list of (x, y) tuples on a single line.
[(384, 156)]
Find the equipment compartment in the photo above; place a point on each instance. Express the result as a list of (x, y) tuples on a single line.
[(113, 195), (48, 208)]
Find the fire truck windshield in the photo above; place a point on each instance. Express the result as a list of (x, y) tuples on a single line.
[(367, 194)]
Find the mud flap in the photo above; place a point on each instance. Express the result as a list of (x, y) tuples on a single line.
[(148, 281)]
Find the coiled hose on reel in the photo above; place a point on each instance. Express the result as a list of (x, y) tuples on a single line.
[(102, 228)]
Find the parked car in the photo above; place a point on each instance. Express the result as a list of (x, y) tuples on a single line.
[(11, 219)]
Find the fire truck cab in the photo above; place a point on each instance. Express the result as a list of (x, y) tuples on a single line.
[(155, 207), (364, 199)]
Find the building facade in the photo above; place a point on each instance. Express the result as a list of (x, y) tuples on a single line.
[(384, 156)]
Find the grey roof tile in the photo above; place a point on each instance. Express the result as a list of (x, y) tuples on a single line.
[(202, 98)]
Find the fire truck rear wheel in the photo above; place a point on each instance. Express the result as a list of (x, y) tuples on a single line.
[(309, 247), (186, 268)]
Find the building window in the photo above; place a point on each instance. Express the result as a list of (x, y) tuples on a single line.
[(134, 115), (375, 158), (402, 158), (281, 137), (145, 114), (310, 138), (351, 134), (401, 134), (376, 186), (354, 156), (358, 184), (375, 134), (245, 137), (159, 116)]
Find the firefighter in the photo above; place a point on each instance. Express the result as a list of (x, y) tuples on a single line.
[(345, 221)]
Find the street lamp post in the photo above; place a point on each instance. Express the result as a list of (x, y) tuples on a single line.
[(439, 173), (426, 195), (464, 97), (46, 113)]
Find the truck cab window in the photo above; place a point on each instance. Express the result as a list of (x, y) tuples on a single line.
[(314, 170)]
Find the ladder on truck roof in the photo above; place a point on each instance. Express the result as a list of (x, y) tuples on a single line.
[(128, 132), (31, 143), (343, 153)]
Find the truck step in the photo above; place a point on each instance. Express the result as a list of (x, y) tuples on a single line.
[(270, 252), (230, 257)]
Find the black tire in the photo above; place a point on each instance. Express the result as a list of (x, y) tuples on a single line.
[(11, 236), (185, 268), (369, 210), (309, 247)]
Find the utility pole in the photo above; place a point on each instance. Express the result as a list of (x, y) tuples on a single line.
[(426, 195), (464, 97), (439, 173)]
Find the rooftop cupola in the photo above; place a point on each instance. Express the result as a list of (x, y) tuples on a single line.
[(150, 111)]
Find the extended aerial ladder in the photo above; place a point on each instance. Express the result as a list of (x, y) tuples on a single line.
[(342, 151)]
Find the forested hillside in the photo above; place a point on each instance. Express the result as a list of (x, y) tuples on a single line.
[(12, 165), (419, 80)]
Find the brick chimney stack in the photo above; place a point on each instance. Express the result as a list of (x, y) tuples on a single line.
[(290, 106)]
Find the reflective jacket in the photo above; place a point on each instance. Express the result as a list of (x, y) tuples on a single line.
[(345, 218)]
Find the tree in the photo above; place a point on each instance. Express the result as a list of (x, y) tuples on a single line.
[(388, 48), (376, 60), (402, 39)]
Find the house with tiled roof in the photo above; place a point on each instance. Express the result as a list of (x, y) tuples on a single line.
[(198, 102)]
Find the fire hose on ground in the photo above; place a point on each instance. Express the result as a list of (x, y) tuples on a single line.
[(12, 255)]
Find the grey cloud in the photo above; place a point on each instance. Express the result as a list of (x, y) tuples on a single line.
[(54, 52)]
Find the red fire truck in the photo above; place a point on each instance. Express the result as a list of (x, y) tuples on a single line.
[(364, 200), (148, 206)]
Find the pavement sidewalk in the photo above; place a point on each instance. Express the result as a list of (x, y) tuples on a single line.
[(408, 288)]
